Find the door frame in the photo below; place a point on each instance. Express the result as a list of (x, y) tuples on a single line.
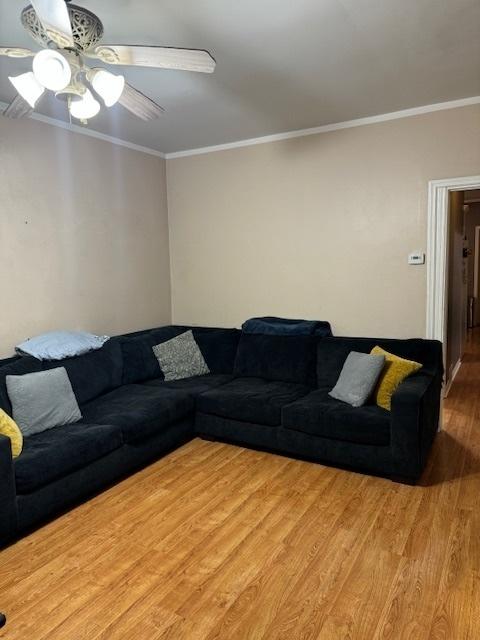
[(476, 261), (437, 252)]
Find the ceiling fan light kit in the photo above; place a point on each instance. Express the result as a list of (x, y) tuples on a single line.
[(108, 86), (51, 69), (28, 87), (68, 34), (85, 108), (73, 91)]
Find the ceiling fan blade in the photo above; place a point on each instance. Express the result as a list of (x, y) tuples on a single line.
[(53, 14), (159, 57), (18, 108), (16, 52), (139, 104)]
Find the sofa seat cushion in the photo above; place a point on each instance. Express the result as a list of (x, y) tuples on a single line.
[(139, 410), (318, 414), (253, 400), (57, 452), (195, 385)]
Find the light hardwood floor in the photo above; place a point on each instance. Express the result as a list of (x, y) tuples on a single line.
[(216, 542)]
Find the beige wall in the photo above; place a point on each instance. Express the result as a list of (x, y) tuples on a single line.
[(83, 234), (315, 227)]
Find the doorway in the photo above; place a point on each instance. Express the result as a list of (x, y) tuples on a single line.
[(439, 246), (457, 286), (472, 219)]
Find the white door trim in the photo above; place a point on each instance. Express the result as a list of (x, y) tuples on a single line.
[(437, 251)]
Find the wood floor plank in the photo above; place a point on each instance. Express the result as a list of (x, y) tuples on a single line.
[(317, 587), (355, 610), (411, 602), (216, 542), (455, 583)]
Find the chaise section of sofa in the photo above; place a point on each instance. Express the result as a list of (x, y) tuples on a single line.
[(130, 417)]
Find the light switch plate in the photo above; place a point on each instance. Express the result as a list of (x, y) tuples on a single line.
[(416, 258)]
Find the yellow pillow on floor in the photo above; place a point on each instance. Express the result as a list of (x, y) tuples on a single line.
[(395, 371), (9, 428)]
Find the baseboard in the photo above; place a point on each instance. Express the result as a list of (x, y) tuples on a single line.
[(456, 369)]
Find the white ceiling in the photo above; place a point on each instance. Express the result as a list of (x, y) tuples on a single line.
[(282, 65)]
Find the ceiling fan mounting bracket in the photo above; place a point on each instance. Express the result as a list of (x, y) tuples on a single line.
[(87, 28)]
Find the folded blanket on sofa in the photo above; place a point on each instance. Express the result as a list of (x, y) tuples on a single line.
[(271, 325)]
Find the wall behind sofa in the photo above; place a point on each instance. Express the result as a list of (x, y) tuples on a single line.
[(83, 234), (315, 227)]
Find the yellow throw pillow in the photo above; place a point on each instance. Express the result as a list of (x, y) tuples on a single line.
[(395, 371), (9, 428)]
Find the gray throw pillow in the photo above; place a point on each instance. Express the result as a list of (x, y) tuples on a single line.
[(180, 357), (358, 378), (42, 400)]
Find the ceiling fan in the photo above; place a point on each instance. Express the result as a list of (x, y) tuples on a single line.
[(69, 34)]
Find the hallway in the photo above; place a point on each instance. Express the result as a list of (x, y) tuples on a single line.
[(456, 451)]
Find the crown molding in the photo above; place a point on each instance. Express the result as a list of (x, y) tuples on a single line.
[(299, 133), (348, 124), (75, 128)]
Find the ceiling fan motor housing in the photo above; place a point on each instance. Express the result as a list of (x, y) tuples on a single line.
[(87, 28)]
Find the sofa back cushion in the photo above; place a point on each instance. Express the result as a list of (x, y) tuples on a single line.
[(93, 373), (284, 358), (17, 367), (9, 360), (218, 347), (332, 353), (139, 361)]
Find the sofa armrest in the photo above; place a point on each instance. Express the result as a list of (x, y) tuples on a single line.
[(414, 422), (8, 498)]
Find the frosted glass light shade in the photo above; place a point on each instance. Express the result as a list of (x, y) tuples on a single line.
[(108, 86), (28, 87), (85, 108), (51, 69)]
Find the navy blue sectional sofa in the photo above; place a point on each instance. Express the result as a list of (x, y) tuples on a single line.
[(264, 391)]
